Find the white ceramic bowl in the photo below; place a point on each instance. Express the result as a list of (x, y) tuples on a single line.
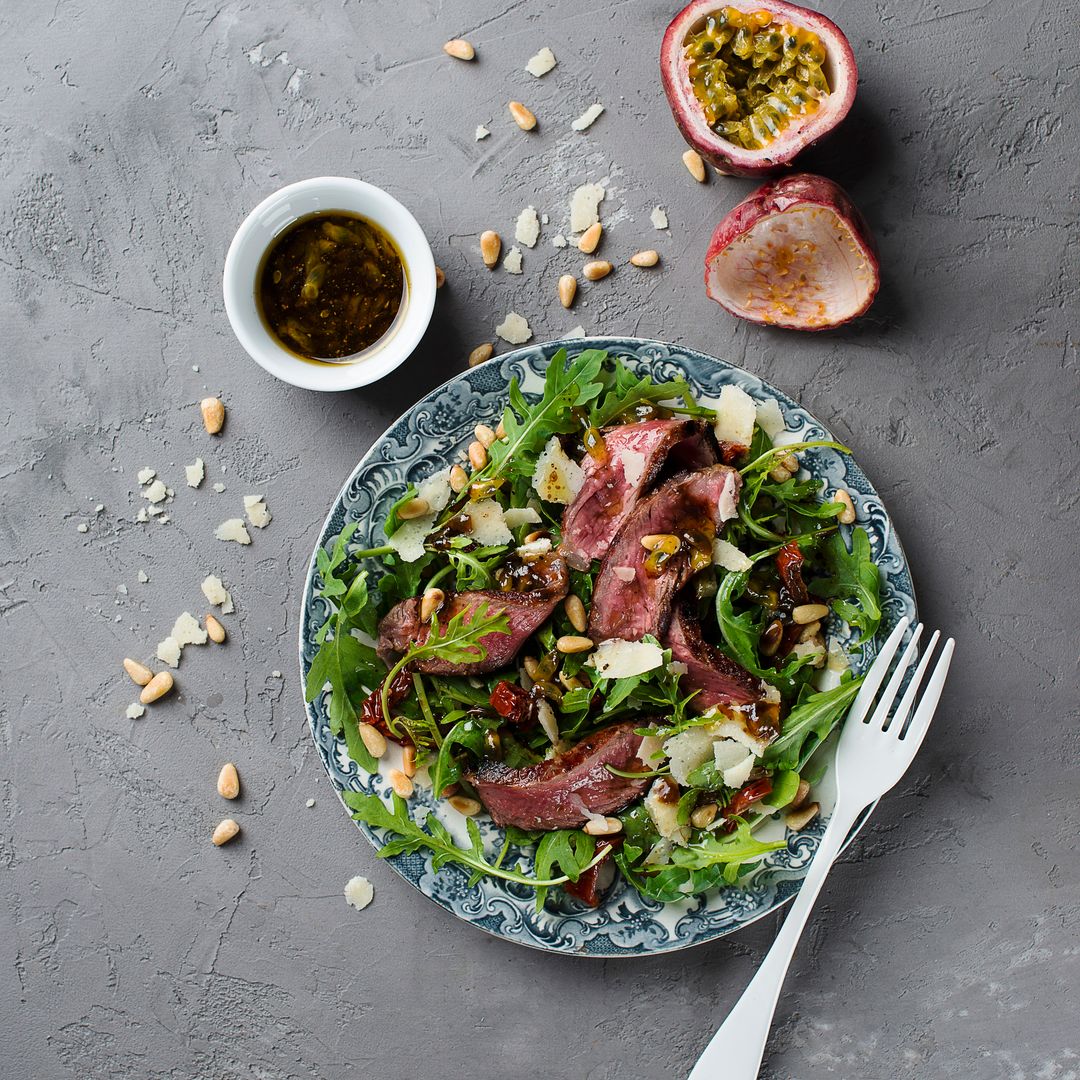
[(268, 220)]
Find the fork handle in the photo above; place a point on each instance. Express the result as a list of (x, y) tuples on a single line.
[(736, 1050)]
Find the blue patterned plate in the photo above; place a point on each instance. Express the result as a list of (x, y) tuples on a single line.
[(425, 439)]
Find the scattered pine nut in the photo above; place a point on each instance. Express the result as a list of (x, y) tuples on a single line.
[(810, 630), (575, 612), (215, 630), (373, 740), (477, 455), (500, 431), (414, 508), (608, 826), (213, 414), (401, 784), (140, 673), (228, 781), (805, 614), (484, 435), (801, 795), (791, 463), (779, 474), (569, 643), (703, 815), (847, 515), (532, 668), (567, 290), (157, 687), (225, 831), (695, 166), (440, 277), (594, 271), (589, 240), (408, 761), (459, 479), (797, 820), (652, 541), (481, 353), (490, 246), (432, 601), (459, 49), (645, 258), (523, 117), (464, 805), (536, 534)]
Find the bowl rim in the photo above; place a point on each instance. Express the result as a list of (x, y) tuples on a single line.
[(274, 214)]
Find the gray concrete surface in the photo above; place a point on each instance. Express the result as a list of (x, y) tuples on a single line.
[(133, 139)]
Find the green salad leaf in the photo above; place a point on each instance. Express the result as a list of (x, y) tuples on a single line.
[(854, 581), (815, 716)]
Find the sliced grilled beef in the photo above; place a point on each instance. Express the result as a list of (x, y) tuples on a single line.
[(718, 679), (562, 792), (527, 611), (629, 600), (636, 455)]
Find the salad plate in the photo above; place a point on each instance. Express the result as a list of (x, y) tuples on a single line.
[(425, 440)]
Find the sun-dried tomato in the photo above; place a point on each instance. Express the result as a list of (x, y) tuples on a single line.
[(789, 560), (513, 703), (587, 887), (747, 795), (371, 710)]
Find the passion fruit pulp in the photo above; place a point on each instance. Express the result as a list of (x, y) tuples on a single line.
[(750, 87)]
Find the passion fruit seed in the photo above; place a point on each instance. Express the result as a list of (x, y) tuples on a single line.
[(753, 76)]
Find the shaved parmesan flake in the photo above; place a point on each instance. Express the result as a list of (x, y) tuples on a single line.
[(557, 478), (168, 652), (734, 761), (187, 631), (488, 525), (769, 417), (730, 557), (523, 515), (156, 492), (618, 659), (154, 510), (665, 814), (588, 117), (576, 334), (633, 466), (584, 206), (659, 218), (216, 593), (358, 892), (146, 475), (143, 577), (727, 727), (512, 262), (219, 487), (514, 330), (481, 132), (546, 715), (838, 658), (624, 573), (234, 530), (541, 63), (135, 710), (558, 241), (735, 416), (535, 547), (141, 515), (83, 527), (408, 539), (688, 750), (527, 229), (651, 750), (195, 473), (255, 508), (810, 648), (435, 490)]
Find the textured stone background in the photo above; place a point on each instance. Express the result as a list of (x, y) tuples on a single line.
[(133, 139)]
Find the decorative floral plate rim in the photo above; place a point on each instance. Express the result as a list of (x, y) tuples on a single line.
[(424, 439)]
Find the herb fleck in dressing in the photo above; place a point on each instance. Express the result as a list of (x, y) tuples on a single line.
[(331, 285)]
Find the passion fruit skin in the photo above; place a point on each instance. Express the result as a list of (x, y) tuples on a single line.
[(777, 155), (777, 197)]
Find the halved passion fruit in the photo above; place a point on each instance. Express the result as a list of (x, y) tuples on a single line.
[(796, 253), (751, 86)]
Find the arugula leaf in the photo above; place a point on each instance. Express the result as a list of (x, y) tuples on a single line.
[(327, 565), (569, 849), (411, 837), (815, 717), (468, 733), (393, 521), (854, 580), (626, 390)]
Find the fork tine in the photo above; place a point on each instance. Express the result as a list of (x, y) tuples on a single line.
[(880, 719), (927, 707), (907, 702), (876, 675)]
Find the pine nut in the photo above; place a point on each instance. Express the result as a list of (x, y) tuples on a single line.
[(459, 49), (157, 687), (796, 820), (228, 781), (703, 815), (500, 432), (847, 515), (464, 805), (490, 246), (810, 630), (213, 414), (791, 463), (589, 240), (569, 643), (459, 479), (808, 613), (477, 455), (523, 117), (608, 826), (140, 673), (532, 668), (373, 739), (431, 602), (414, 508), (666, 542), (594, 271), (485, 436), (440, 277), (214, 630), (570, 682), (225, 831), (645, 258), (481, 353), (567, 290), (401, 784), (536, 534), (695, 166), (800, 795), (408, 761), (575, 612), (779, 474)]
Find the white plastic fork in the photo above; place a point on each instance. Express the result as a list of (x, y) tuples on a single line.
[(871, 757)]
